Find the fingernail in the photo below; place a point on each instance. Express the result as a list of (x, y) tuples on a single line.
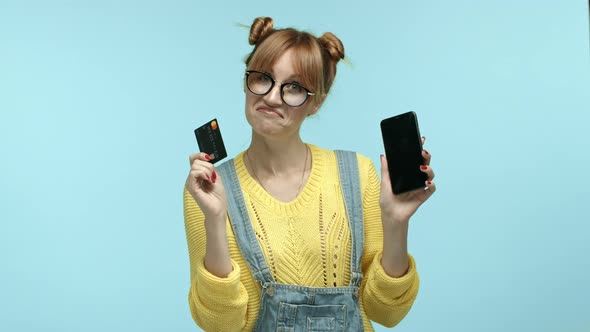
[(208, 157), (424, 167), (428, 182), (426, 152), (213, 176)]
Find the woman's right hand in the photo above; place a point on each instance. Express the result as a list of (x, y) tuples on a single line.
[(206, 187)]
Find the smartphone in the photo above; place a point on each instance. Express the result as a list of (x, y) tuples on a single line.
[(403, 150), (210, 140)]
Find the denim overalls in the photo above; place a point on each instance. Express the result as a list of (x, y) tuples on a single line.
[(291, 308)]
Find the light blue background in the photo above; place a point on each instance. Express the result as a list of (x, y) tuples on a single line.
[(99, 99)]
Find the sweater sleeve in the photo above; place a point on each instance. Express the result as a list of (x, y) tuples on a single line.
[(387, 300), (216, 304)]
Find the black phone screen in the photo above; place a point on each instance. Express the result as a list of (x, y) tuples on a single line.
[(403, 150)]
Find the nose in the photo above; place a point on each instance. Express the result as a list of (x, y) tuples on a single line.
[(273, 97)]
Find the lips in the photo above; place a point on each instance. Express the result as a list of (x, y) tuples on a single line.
[(269, 110)]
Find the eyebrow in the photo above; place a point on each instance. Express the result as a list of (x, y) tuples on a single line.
[(293, 78)]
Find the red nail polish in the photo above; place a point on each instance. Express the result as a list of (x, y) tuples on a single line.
[(428, 182), (207, 157), (426, 152), (424, 167), (213, 176)]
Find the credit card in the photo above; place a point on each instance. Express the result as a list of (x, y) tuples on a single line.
[(210, 141)]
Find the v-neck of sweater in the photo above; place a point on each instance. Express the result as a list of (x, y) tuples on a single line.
[(294, 207)]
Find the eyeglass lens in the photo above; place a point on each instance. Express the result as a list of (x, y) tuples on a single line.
[(292, 93)]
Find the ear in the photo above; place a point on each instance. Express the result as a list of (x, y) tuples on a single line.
[(316, 107)]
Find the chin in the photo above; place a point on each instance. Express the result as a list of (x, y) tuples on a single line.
[(268, 129)]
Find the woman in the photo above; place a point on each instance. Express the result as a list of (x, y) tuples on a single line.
[(288, 257)]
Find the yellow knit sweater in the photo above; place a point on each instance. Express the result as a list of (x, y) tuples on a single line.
[(305, 242)]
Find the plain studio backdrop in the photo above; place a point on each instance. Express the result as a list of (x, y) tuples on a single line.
[(99, 100)]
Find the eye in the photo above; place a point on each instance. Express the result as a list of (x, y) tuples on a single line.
[(259, 78), (294, 88)]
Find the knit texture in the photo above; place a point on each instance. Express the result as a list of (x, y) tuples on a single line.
[(305, 242)]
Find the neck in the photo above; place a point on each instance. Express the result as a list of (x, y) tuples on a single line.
[(276, 157)]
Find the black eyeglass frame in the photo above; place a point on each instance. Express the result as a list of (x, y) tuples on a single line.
[(282, 86)]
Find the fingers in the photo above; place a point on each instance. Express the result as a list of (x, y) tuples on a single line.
[(199, 175), (196, 181), (201, 169), (430, 187), (200, 160), (426, 156), (429, 172), (426, 166), (199, 156), (428, 184)]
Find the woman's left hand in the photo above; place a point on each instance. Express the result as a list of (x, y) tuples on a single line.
[(399, 208)]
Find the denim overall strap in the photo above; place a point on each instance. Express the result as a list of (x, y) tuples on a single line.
[(241, 224), (351, 191)]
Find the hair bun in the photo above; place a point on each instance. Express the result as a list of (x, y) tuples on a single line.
[(333, 46), (260, 29)]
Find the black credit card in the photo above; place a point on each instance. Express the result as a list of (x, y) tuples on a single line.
[(210, 141)]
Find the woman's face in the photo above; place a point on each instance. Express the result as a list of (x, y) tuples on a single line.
[(268, 115)]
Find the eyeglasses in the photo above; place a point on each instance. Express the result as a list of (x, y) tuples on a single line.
[(292, 93)]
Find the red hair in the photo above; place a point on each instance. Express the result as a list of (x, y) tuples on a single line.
[(315, 58)]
